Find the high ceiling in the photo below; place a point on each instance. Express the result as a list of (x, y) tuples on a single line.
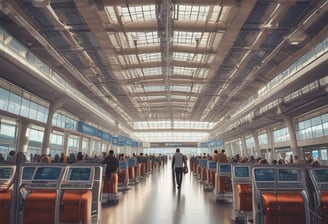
[(165, 65)]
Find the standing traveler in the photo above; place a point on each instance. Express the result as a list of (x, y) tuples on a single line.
[(178, 161), (112, 163), (215, 156), (111, 177), (222, 158)]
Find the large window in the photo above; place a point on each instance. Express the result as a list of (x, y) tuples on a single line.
[(7, 138), (56, 144), (312, 128), (263, 139), (24, 107), (64, 121), (281, 135)]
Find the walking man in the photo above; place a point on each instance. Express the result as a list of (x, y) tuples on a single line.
[(178, 161)]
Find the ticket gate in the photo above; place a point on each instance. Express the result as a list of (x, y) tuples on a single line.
[(318, 187), (7, 173), (223, 187), (123, 175), (210, 176), (202, 170), (242, 192), (59, 193), (132, 164), (280, 195), (110, 187)]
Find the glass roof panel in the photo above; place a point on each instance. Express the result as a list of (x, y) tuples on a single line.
[(150, 57), (185, 38), (193, 125), (150, 98), (176, 124), (154, 88), (201, 73), (135, 89), (138, 13), (189, 57), (191, 12), (110, 11), (184, 71), (152, 124), (197, 88), (152, 71), (143, 38), (216, 12), (183, 97), (172, 136), (180, 88)]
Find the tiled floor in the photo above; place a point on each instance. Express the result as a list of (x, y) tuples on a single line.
[(155, 200)]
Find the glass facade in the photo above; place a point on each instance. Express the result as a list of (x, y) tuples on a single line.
[(15, 104), (263, 138), (281, 135), (312, 128)]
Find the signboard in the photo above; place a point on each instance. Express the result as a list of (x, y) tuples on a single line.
[(115, 140), (87, 129)]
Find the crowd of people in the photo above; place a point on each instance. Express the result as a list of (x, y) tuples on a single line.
[(221, 157)]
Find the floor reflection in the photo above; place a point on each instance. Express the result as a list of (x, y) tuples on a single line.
[(155, 199)]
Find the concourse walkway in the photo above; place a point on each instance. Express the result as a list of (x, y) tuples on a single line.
[(155, 199)]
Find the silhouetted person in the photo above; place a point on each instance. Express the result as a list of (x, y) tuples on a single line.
[(112, 163), (178, 161)]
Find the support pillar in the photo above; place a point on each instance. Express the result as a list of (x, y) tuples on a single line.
[(256, 144), (293, 141)]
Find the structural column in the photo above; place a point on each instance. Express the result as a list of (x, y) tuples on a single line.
[(22, 137), (65, 145), (243, 146), (89, 147), (80, 144), (256, 144), (47, 131), (293, 140)]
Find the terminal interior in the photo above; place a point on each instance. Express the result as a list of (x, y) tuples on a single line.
[(241, 80)]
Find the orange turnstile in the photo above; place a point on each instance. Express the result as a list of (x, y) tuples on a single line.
[(283, 208), (324, 207), (223, 184), (75, 207), (111, 183), (123, 177), (40, 207), (5, 197), (132, 175), (243, 201)]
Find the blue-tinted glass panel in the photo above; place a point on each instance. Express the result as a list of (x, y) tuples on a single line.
[(264, 175), (14, 103), (47, 173), (4, 99), (28, 173), (242, 171), (321, 175), (212, 165), (79, 174), (6, 172), (289, 175), (224, 168), (33, 110), (25, 107)]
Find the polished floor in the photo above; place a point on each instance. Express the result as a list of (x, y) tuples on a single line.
[(155, 199)]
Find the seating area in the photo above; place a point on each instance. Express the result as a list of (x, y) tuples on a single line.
[(270, 194), (283, 207), (52, 193)]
